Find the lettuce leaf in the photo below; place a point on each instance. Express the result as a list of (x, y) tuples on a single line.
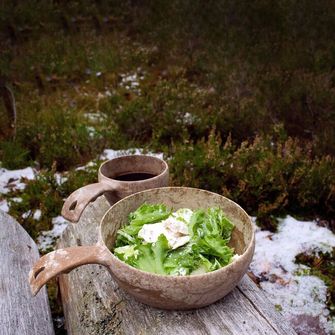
[(182, 261), (218, 224), (153, 255), (128, 254), (210, 231), (143, 215), (215, 246)]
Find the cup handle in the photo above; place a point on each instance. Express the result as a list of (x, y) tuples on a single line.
[(63, 261), (75, 204)]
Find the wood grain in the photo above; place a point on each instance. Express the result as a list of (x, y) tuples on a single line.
[(93, 303), (20, 312)]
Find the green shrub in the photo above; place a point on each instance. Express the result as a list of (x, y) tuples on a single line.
[(13, 155), (46, 194), (41, 194), (60, 138), (267, 178)]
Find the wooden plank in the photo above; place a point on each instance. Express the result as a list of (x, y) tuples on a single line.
[(264, 307), (93, 303), (20, 312)]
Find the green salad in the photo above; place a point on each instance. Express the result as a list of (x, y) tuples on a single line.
[(183, 242)]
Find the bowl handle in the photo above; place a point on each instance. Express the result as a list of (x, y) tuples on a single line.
[(63, 261), (75, 204)]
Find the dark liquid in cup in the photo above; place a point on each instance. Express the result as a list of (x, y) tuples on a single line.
[(135, 176)]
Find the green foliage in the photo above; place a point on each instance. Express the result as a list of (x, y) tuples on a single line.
[(14, 155), (165, 111), (38, 194), (268, 177), (58, 138), (46, 194)]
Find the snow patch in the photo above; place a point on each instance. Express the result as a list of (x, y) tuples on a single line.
[(60, 179), (16, 199), (187, 119), (11, 179), (26, 214), (131, 81), (110, 153), (96, 117), (92, 132), (85, 167), (47, 239), (37, 215), (4, 204), (274, 263)]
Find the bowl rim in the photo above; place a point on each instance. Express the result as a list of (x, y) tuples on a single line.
[(161, 160), (175, 277)]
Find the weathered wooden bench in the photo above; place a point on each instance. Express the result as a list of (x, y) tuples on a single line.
[(93, 303), (20, 313)]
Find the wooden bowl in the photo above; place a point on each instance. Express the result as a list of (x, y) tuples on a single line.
[(162, 291)]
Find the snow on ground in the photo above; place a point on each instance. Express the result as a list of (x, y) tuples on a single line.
[(110, 153), (92, 132), (96, 117), (188, 119), (131, 81), (47, 239), (11, 179), (285, 283), (60, 179), (4, 206), (37, 215)]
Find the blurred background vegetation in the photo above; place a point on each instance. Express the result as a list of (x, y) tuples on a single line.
[(239, 96)]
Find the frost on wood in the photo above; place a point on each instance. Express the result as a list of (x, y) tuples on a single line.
[(283, 280)]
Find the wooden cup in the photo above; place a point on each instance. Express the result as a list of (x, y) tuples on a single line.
[(114, 190)]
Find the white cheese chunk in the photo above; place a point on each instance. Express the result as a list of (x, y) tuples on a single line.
[(151, 232), (174, 228)]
